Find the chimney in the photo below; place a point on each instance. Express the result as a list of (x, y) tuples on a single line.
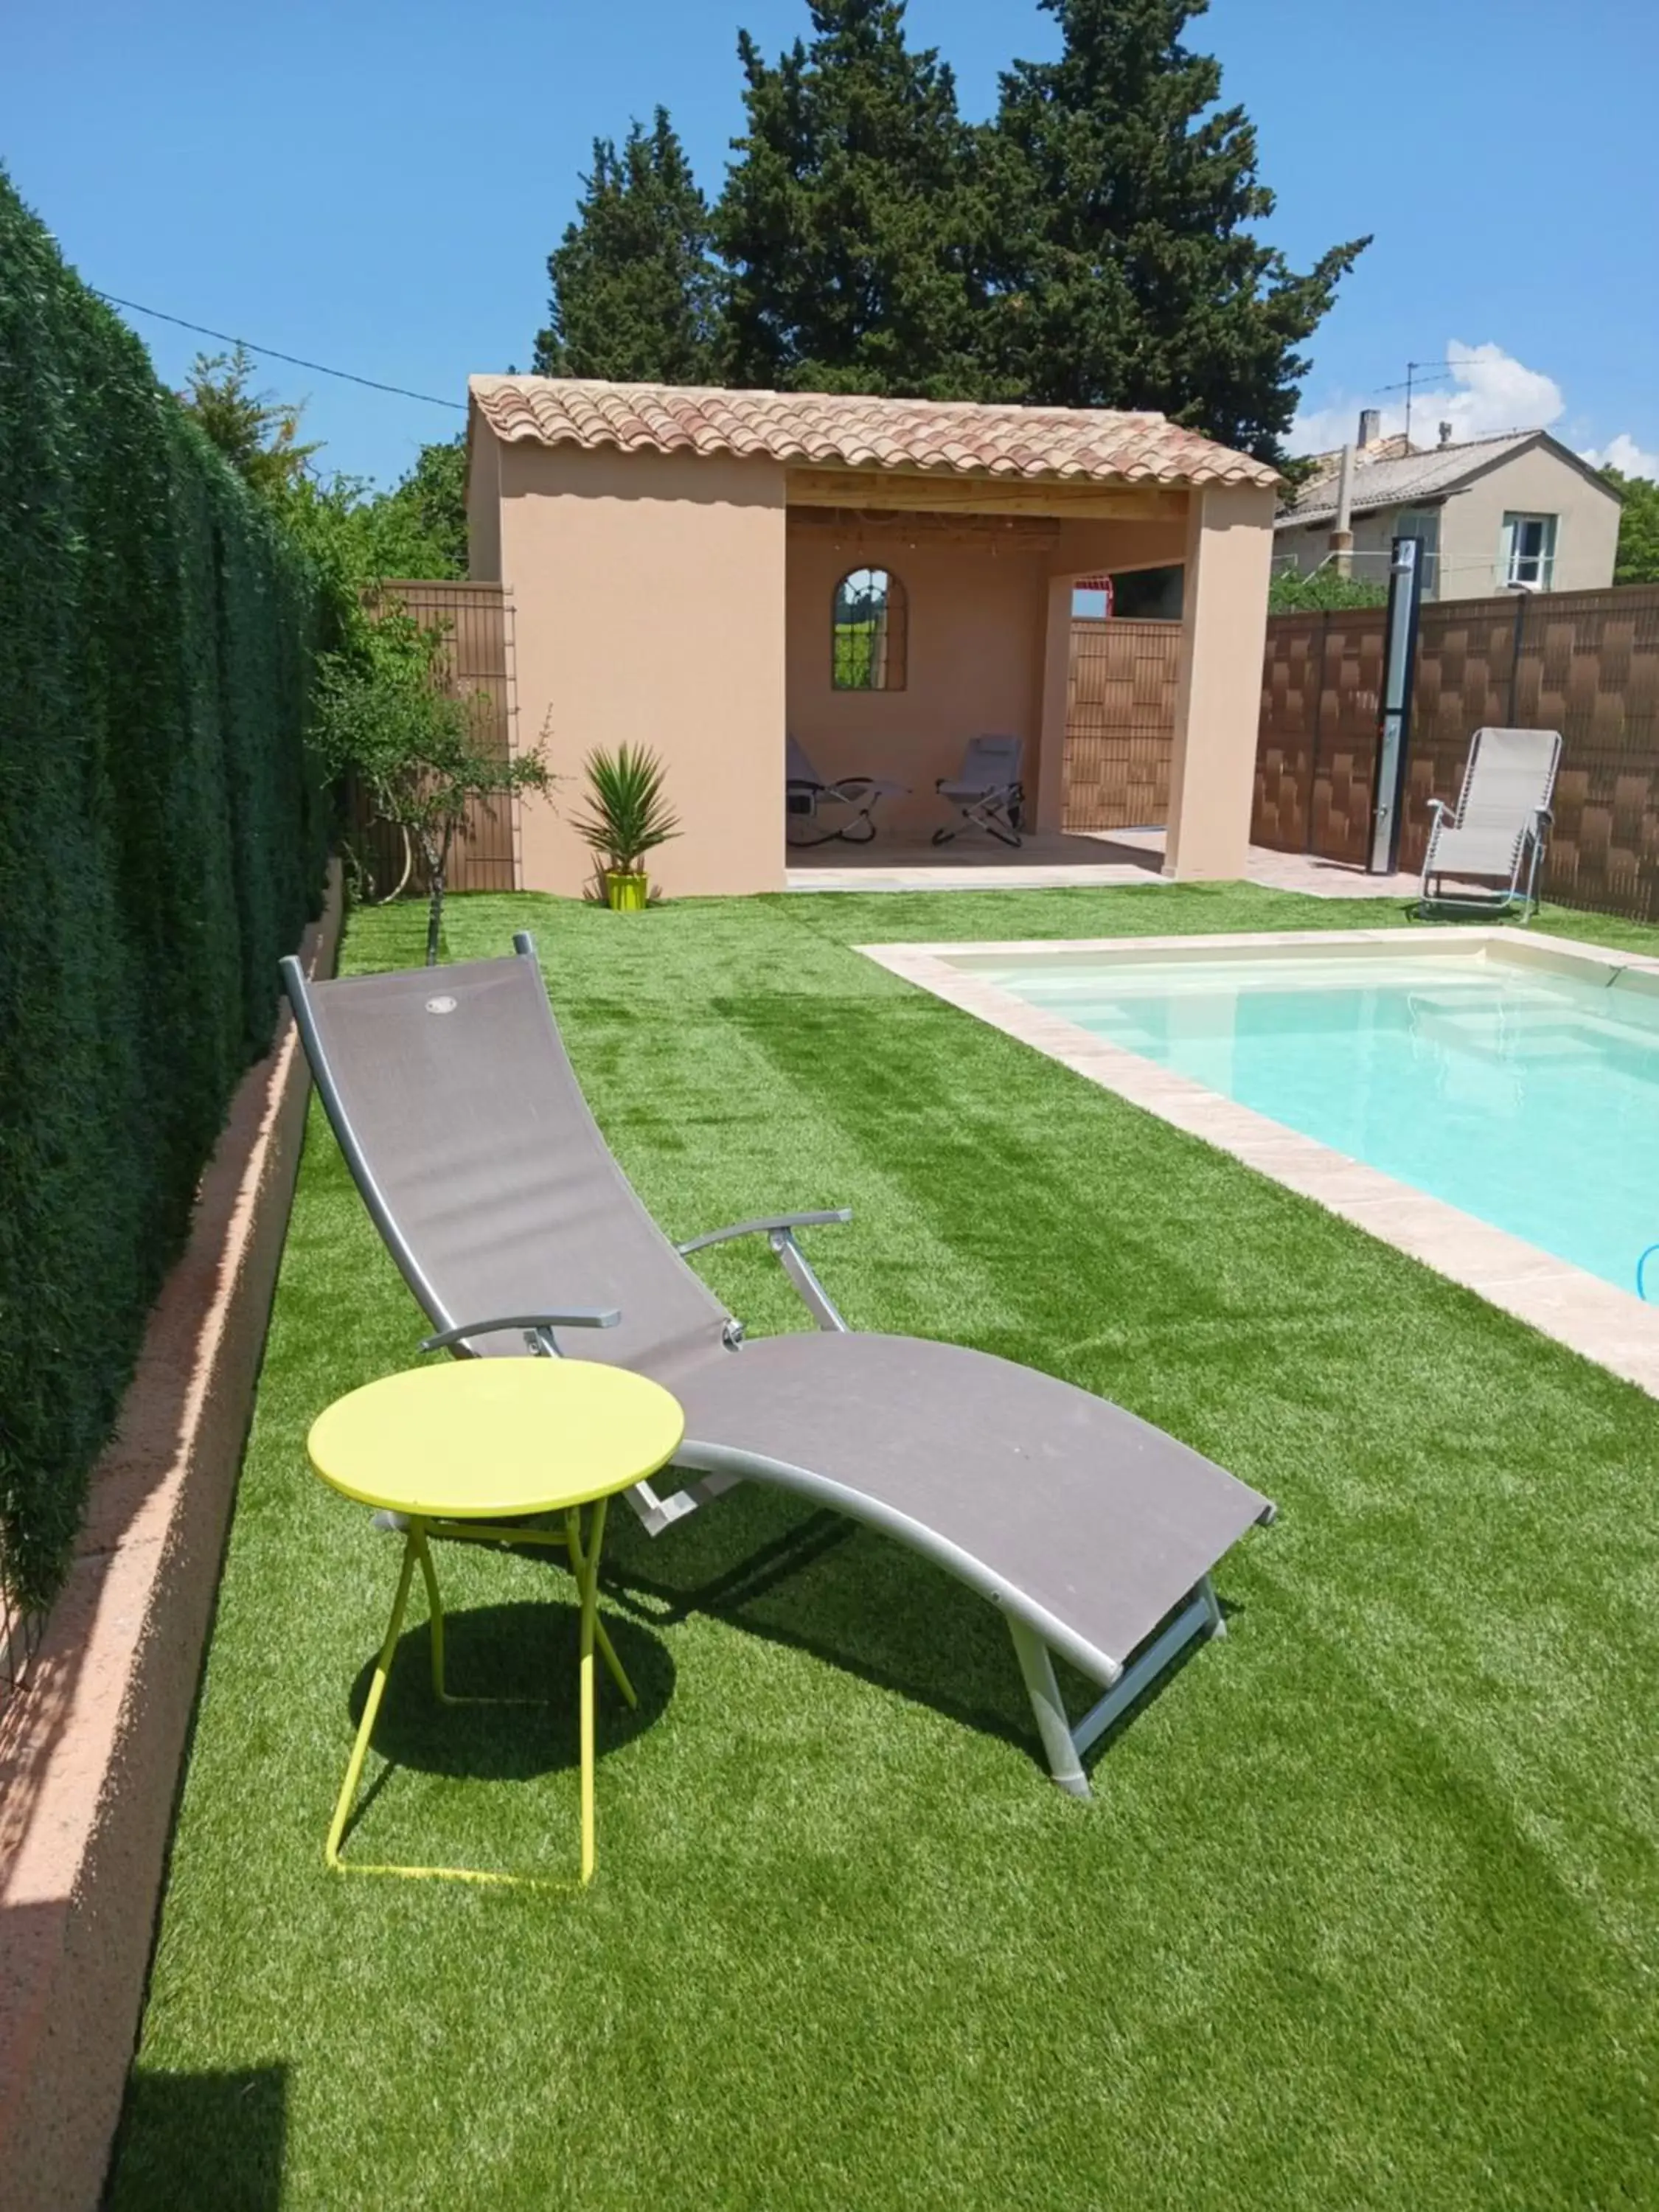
[(1445, 434), (1370, 427)]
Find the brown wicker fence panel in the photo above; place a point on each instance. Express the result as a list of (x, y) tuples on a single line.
[(1584, 663), (1120, 723), (1317, 747), (1291, 675), (1590, 667), (477, 620), (1464, 681), (1345, 758)]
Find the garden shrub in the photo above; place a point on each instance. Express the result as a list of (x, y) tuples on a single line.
[(162, 842)]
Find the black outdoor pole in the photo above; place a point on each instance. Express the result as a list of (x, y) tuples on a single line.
[(1393, 729)]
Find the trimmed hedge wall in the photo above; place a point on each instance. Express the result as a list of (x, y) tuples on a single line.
[(162, 842)]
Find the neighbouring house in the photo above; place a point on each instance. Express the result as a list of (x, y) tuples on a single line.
[(1519, 511), (702, 571)]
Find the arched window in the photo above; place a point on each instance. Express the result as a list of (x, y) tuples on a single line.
[(867, 633)]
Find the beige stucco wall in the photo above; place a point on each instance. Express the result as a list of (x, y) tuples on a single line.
[(1537, 481), (1229, 545), (1085, 549), (675, 601), (649, 598), (974, 661)]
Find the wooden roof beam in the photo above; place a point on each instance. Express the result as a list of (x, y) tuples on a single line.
[(905, 491)]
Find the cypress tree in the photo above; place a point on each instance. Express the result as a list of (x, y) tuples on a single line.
[(1129, 273), (633, 282), (850, 222)]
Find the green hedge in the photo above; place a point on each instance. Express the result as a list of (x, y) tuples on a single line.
[(163, 842)]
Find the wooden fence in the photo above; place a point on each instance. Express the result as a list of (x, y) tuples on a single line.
[(1584, 663), (1317, 745), (1120, 723), (477, 620)]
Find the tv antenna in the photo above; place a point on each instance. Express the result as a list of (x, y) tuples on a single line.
[(1413, 370)]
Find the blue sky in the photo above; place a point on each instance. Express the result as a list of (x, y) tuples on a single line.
[(377, 186)]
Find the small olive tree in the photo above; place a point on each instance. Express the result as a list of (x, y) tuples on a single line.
[(385, 712)]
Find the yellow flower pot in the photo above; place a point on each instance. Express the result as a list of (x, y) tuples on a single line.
[(625, 890)]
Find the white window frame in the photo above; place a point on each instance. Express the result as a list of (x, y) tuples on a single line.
[(1534, 569)]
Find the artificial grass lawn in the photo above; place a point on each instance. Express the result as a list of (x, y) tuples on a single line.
[(1364, 1913)]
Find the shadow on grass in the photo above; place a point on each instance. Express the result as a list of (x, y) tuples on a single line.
[(816, 1583), (526, 1652), (756, 1558), (200, 2139)]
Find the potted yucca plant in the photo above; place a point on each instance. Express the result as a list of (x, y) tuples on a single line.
[(628, 818)]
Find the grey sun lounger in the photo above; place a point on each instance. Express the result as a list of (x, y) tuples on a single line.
[(848, 807), (462, 1120), (1476, 853), (985, 790)]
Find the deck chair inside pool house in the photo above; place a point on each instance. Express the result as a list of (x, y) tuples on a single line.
[(1092, 1532), (1479, 852), (819, 813), (986, 791)]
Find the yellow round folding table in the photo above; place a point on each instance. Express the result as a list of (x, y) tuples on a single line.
[(462, 1451)]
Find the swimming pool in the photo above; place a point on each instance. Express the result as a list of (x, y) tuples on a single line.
[(1516, 1081)]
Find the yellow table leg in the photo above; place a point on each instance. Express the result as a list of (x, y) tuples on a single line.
[(412, 1548), (435, 1609), (585, 1563), (418, 1534), (491, 1533), (585, 1567), (607, 1652)]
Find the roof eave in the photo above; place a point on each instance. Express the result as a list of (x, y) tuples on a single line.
[(1212, 465), (1078, 480)]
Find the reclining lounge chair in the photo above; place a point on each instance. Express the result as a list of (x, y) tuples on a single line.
[(985, 790), (848, 807), (1500, 829), (462, 1120)]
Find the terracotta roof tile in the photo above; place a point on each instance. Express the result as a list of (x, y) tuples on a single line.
[(1073, 445)]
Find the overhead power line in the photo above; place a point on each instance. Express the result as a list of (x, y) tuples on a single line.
[(275, 353)]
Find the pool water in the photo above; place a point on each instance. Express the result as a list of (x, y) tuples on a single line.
[(1528, 1098)]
